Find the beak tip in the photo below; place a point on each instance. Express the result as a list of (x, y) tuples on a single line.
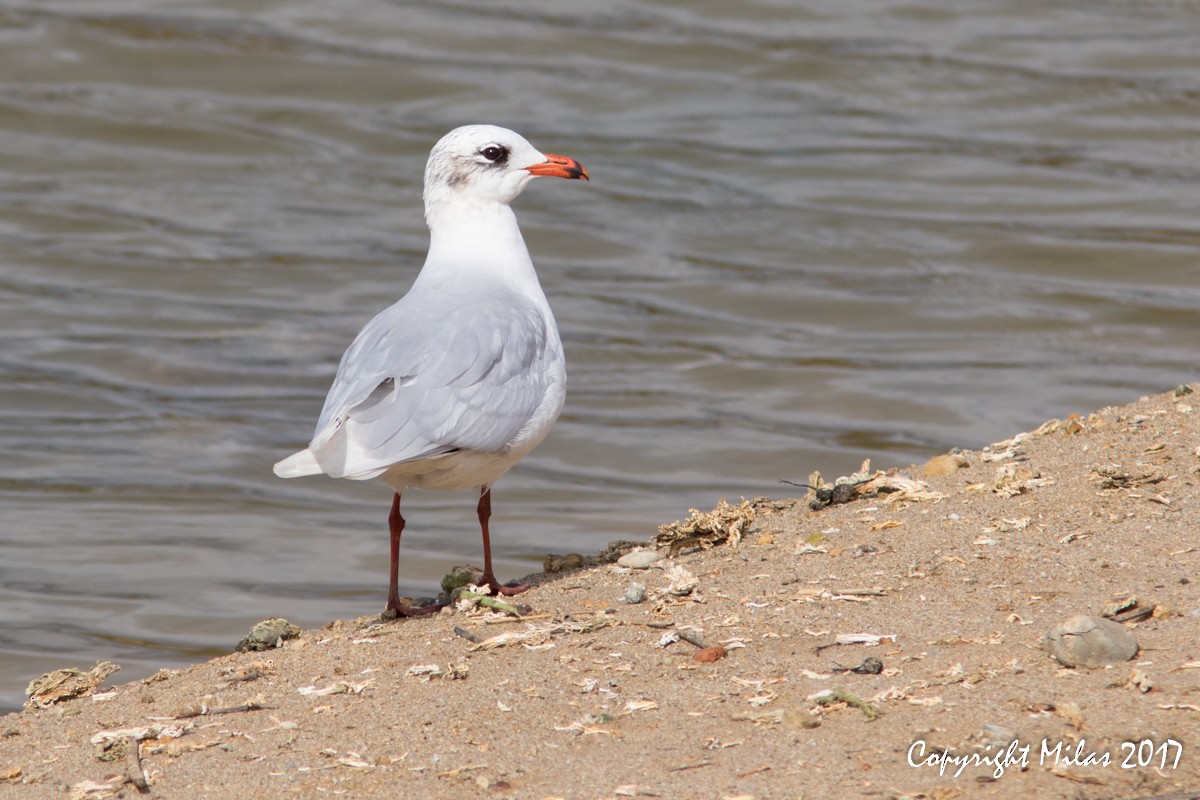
[(560, 167)]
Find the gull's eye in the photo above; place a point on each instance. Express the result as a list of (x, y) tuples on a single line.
[(494, 153)]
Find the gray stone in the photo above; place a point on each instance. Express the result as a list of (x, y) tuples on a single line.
[(997, 735), (1084, 641), (635, 593), (639, 559), (268, 634)]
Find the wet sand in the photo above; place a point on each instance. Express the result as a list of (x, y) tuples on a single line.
[(594, 697)]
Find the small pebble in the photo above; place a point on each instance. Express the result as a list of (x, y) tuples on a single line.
[(997, 735), (639, 559), (635, 593), (870, 666), (708, 655)]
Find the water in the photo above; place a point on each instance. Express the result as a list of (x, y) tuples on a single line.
[(815, 234)]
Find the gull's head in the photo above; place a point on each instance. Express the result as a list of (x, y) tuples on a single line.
[(486, 164)]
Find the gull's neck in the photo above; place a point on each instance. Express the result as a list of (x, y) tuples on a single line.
[(472, 243)]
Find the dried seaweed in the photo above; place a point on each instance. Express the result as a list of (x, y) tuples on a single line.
[(64, 684), (706, 529)]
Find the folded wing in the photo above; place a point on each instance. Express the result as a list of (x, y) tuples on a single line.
[(426, 378)]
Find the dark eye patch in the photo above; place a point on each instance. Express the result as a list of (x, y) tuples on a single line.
[(497, 154)]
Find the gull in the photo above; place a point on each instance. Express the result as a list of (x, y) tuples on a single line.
[(463, 376)]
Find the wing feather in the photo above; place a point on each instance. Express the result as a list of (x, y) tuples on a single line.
[(424, 378)]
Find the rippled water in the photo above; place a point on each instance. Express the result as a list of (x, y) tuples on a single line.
[(815, 233)]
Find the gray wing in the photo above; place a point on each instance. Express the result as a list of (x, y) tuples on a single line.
[(427, 377)]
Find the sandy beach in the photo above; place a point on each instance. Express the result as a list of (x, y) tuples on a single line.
[(885, 647)]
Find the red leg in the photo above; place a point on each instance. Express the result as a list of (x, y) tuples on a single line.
[(395, 528), (485, 512)]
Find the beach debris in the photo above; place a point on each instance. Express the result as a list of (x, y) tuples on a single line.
[(1071, 713), (807, 548), (267, 635), (1179, 707), (114, 749), (777, 716), (869, 639), (639, 559), (635, 593), (1014, 479), (869, 666), (813, 594), (537, 634), (460, 577), (1141, 681), (706, 529), (202, 709), (473, 597), (593, 723), (65, 684), (1114, 476), (425, 671), (283, 724), (93, 790), (1086, 641), (1071, 425), (681, 582), (457, 670), (589, 724), (338, 687), (707, 655), (1002, 451), (244, 673), (704, 653), (762, 698), (1128, 608), (614, 550), (825, 496), (564, 563), (466, 634), (160, 676), (164, 730), (893, 487), (828, 698), (129, 751), (667, 639), (946, 464)]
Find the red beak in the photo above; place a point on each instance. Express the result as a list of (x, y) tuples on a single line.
[(559, 167)]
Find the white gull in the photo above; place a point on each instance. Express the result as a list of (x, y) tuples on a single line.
[(462, 377)]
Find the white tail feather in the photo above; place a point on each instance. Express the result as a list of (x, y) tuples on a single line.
[(298, 464)]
